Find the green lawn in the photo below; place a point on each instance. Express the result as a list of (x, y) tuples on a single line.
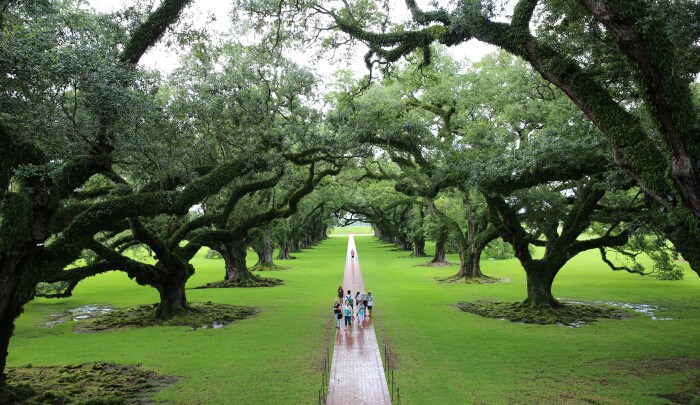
[(356, 230), (444, 356), (447, 356)]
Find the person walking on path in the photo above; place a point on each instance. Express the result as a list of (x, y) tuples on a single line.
[(356, 372), (370, 302), (340, 293), (347, 311), (337, 313), (348, 299), (352, 254), (361, 313), (358, 298)]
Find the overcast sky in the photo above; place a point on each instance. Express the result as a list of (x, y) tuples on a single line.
[(158, 58)]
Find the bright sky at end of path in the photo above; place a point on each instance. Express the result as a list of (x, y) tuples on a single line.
[(159, 58)]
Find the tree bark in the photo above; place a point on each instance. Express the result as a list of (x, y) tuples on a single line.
[(295, 245), (12, 300), (440, 255), (284, 252), (173, 299), (419, 248), (7, 327), (267, 250), (470, 262), (264, 251), (234, 255), (540, 277), (687, 244)]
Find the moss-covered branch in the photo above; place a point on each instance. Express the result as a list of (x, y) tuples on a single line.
[(150, 31)]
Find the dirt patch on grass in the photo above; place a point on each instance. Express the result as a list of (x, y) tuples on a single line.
[(90, 383), (199, 316), (614, 375), (688, 392), (574, 315), (686, 368), (646, 366)]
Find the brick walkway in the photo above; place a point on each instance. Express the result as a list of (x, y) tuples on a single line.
[(357, 376)]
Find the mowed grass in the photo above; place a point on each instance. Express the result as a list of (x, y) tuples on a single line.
[(356, 230), (443, 355), (275, 357)]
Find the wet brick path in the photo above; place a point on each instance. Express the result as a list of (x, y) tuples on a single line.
[(357, 376)]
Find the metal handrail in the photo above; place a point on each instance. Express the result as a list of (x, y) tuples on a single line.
[(391, 382), (325, 376)]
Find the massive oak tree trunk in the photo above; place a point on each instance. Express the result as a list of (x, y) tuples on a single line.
[(295, 245), (264, 251), (172, 294), (284, 252), (419, 248), (470, 262), (540, 277), (377, 232), (13, 298), (404, 244), (471, 245), (234, 254), (7, 326), (440, 256), (268, 249), (687, 244), (11, 309)]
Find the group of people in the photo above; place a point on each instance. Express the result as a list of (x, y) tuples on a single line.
[(352, 308)]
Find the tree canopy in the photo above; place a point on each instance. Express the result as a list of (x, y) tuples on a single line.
[(580, 133)]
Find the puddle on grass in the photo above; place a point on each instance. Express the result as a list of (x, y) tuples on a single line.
[(575, 324), (215, 325), (646, 309), (77, 314)]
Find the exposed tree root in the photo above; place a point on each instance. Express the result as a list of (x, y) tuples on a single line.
[(94, 383), (565, 314), (466, 280), (142, 316), (255, 281), (268, 267), (438, 264)]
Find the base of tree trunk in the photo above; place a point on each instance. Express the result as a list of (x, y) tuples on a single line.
[(455, 279), (565, 314), (251, 282), (40, 384), (197, 315), (268, 267), (438, 264)]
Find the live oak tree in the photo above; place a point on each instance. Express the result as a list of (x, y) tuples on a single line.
[(586, 49), (68, 80), (415, 118), (229, 104), (228, 234)]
